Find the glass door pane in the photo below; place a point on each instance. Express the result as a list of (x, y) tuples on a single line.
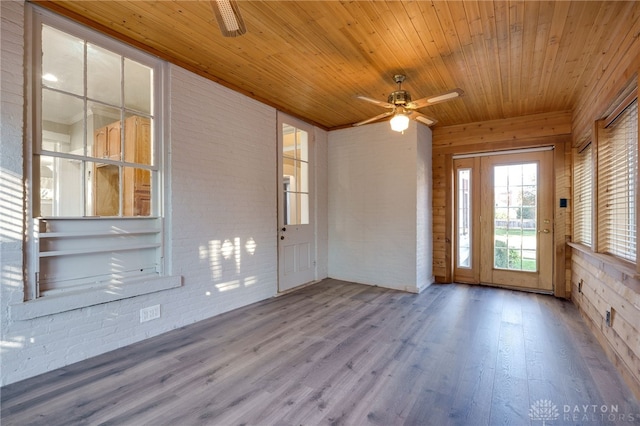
[(464, 218), (465, 213), (514, 217), (295, 170)]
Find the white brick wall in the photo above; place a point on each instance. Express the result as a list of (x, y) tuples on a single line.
[(11, 164), (321, 203), (222, 187), (424, 209), (375, 185)]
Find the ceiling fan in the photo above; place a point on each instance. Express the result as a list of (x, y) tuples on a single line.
[(403, 108)]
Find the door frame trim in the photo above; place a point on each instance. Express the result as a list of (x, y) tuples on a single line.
[(506, 152), (543, 280), (561, 145), (281, 118)]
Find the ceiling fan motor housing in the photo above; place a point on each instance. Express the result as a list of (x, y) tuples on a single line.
[(399, 97)]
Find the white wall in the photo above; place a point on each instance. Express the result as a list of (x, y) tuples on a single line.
[(222, 187), (321, 139), (424, 209), (380, 206)]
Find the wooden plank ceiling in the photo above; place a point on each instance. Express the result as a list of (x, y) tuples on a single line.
[(311, 58)]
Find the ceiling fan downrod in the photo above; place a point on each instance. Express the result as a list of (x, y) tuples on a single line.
[(399, 78), (399, 97)]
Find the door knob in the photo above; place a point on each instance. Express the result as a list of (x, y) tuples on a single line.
[(282, 237), (546, 231), (284, 229)]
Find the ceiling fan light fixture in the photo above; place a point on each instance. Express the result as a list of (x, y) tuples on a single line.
[(403, 108), (229, 19), (399, 122)]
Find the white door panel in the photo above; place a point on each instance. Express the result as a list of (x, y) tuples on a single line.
[(296, 237)]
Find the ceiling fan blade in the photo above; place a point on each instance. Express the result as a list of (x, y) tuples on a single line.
[(422, 118), (376, 118), (375, 101), (431, 100), (228, 16)]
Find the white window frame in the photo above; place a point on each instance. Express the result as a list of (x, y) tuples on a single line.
[(133, 233)]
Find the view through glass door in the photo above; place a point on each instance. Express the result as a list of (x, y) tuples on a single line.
[(504, 220)]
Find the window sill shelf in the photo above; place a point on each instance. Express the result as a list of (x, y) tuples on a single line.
[(617, 264), (112, 292)]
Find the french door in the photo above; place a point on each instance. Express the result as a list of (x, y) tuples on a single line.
[(503, 226)]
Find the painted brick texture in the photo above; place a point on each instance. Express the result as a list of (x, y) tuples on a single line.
[(374, 218), (223, 195), (321, 203), (11, 170), (424, 209)]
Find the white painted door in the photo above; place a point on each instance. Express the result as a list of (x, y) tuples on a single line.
[(296, 236)]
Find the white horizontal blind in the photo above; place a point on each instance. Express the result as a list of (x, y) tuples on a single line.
[(582, 196), (617, 180)]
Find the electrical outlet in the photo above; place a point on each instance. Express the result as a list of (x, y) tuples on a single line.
[(608, 317), (150, 313)]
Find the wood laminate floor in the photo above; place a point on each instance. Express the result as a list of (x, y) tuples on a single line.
[(346, 354)]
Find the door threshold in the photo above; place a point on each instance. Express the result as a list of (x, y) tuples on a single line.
[(291, 290), (516, 288)]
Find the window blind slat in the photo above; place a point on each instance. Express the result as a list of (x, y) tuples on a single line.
[(582, 195), (617, 174)]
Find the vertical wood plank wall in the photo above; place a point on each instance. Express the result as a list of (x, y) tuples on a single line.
[(604, 287), (549, 129)]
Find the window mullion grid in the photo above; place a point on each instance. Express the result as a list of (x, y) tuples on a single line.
[(122, 142), (33, 167), (55, 262), (85, 128)]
